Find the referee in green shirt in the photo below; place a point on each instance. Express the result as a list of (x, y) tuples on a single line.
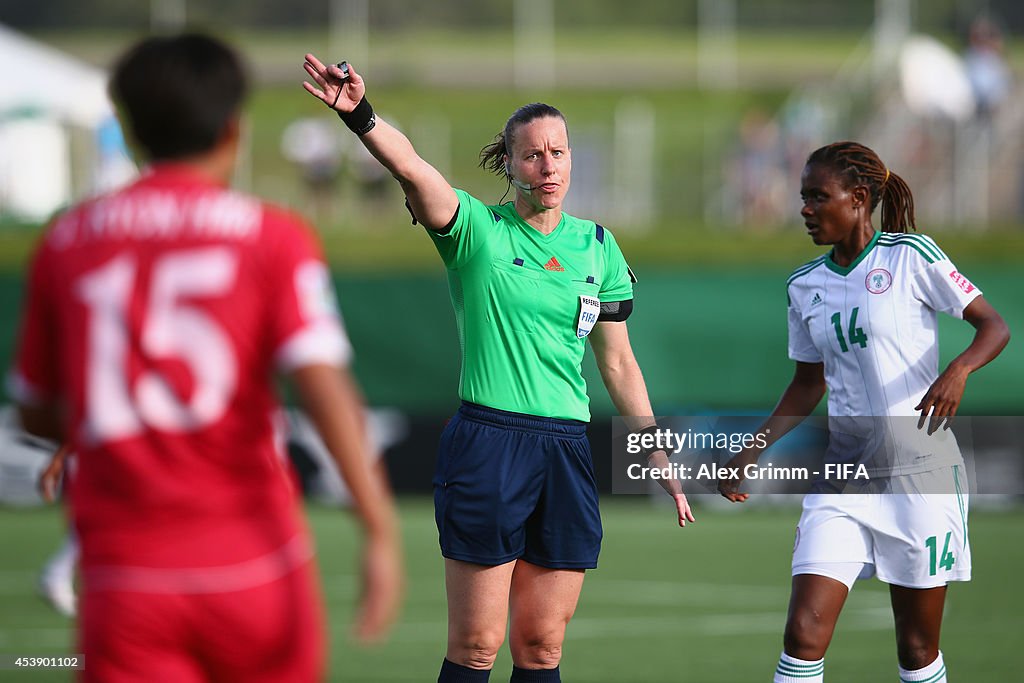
[(514, 491)]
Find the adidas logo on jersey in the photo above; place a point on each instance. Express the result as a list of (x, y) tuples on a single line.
[(816, 300), (554, 265)]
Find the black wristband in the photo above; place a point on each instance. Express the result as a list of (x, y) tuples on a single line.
[(360, 120), (648, 452)]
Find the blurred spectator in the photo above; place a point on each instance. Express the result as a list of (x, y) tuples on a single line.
[(313, 144), (374, 182), (758, 171), (805, 122), (986, 66)]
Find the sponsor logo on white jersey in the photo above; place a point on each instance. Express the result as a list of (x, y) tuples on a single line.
[(961, 282)]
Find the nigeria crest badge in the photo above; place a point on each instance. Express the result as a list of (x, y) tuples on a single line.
[(878, 281)]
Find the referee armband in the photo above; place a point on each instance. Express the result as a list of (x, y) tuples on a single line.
[(615, 311)]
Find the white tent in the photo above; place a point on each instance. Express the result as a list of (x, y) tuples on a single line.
[(39, 78), (46, 94), (934, 80)]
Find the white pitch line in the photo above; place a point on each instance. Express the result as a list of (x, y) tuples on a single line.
[(581, 628), (707, 625), (670, 593), (871, 619), (639, 592)]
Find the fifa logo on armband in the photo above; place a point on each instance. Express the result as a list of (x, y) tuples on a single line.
[(961, 282)]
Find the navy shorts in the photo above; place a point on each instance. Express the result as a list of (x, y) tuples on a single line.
[(511, 486)]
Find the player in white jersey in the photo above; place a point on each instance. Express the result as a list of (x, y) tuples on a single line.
[(862, 324)]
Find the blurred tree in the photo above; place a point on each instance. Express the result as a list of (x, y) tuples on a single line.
[(71, 14), (661, 13), (933, 15)]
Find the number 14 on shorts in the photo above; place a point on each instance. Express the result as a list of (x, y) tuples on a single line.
[(946, 561)]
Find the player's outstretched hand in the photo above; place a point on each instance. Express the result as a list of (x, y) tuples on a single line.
[(730, 487), (50, 478), (332, 87), (382, 588), (943, 398), (659, 460)]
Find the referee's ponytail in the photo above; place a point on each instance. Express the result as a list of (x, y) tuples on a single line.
[(859, 165), (492, 156)]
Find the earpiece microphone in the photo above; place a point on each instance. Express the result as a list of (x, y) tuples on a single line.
[(521, 185), (512, 179)]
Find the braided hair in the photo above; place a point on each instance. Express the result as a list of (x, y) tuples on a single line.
[(856, 165)]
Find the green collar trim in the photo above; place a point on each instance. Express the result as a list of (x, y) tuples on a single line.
[(844, 271), (530, 230)]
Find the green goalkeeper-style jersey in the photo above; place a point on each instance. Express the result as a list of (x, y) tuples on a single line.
[(525, 303)]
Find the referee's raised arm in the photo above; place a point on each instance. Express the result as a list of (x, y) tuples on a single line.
[(431, 199)]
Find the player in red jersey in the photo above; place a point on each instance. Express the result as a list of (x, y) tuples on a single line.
[(155, 320)]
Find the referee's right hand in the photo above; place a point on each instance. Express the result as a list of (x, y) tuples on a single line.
[(333, 88), (659, 460)]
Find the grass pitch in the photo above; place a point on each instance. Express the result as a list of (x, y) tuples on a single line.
[(705, 604)]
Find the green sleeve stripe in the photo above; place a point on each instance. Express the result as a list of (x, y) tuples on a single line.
[(928, 244), (810, 264), (804, 269), (921, 241), (926, 255)]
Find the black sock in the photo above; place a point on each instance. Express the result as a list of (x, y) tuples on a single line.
[(454, 673), (535, 675)]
